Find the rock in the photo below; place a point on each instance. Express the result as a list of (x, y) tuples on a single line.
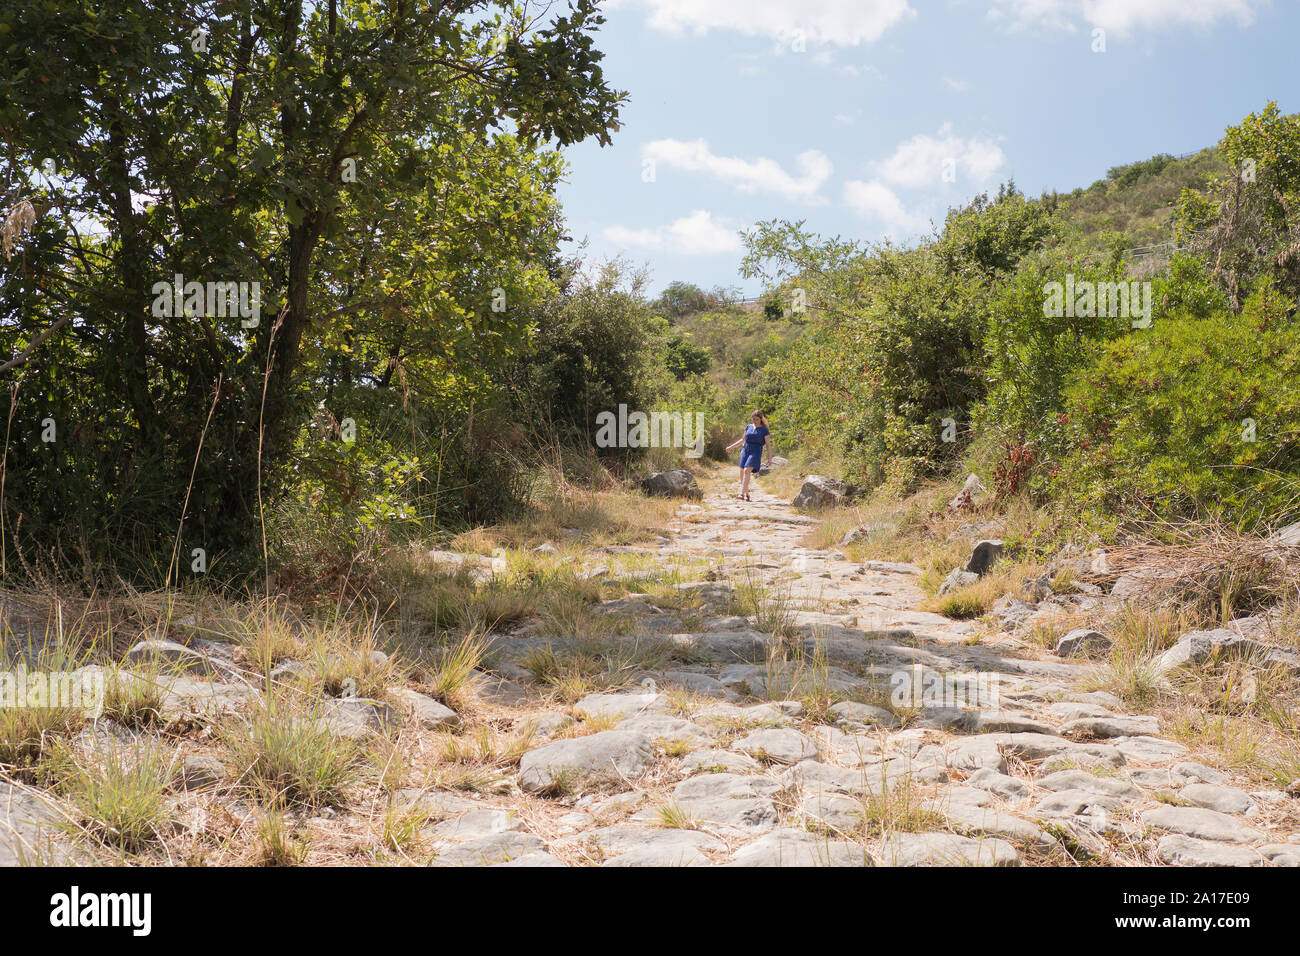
[(1201, 824), (620, 705), (548, 725), (1009, 788), (816, 777), (1073, 803), (477, 824), (832, 810), (354, 716), (789, 847), (1281, 854), (668, 730), (536, 858), (972, 493), (715, 761), (984, 556), (171, 658), (661, 855), (996, 721), (972, 820), (945, 849), (1090, 783), (287, 671), (864, 713), (1196, 647), (1150, 749), (1107, 727), (489, 850), (724, 785), (28, 826), (1179, 850), (610, 755), (957, 579), (1222, 799), (426, 711), (819, 491), (1085, 642), (611, 843), (891, 567), (198, 772), (1288, 537), (778, 744), (674, 483)]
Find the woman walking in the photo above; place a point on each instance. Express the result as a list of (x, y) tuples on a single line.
[(755, 440)]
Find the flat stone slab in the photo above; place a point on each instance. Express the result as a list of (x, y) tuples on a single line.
[(1089, 783), (945, 849), (1107, 727), (1222, 799), (489, 850), (790, 847), (778, 744), (1177, 850), (1008, 788), (620, 705), (714, 761), (611, 755), (1202, 824)]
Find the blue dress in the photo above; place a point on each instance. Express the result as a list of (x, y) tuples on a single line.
[(751, 456)]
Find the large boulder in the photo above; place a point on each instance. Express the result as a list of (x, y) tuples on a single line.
[(818, 491), (982, 558), (674, 483), (1083, 641)]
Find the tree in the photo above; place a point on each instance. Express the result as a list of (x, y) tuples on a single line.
[(250, 141)]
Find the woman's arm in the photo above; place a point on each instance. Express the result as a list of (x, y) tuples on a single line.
[(736, 444), (767, 440)]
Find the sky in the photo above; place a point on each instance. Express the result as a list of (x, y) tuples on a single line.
[(868, 119)]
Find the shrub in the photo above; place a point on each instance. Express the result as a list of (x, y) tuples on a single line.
[(1162, 420)]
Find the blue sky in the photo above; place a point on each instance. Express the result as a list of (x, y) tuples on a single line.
[(869, 118)]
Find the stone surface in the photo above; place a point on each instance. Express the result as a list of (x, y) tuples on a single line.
[(788, 847), (984, 556), (1085, 642), (778, 744), (489, 850), (1179, 850), (1213, 797), (170, 657), (611, 755), (1201, 824), (945, 849), (423, 709)]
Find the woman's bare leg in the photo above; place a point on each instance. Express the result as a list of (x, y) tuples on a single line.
[(744, 481)]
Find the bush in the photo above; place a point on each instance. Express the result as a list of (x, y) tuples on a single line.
[(1162, 420)]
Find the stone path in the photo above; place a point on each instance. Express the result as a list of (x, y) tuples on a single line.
[(1001, 761), (864, 731)]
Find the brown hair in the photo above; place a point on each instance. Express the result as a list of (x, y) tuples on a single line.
[(762, 419)]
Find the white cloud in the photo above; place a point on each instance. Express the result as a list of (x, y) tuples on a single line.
[(840, 22), (698, 234), (848, 119), (922, 160), (1123, 16), (875, 200), (761, 175), (957, 86)]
